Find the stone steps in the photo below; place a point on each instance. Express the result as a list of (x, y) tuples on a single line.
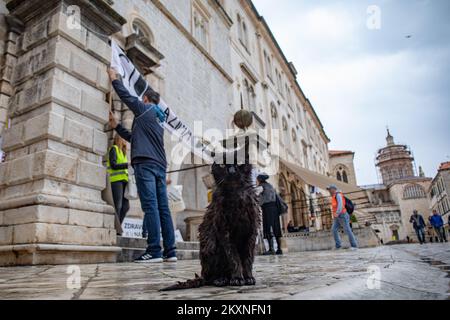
[(132, 248), (129, 254)]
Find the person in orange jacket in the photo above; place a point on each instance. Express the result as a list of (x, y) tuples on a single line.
[(340, 218)]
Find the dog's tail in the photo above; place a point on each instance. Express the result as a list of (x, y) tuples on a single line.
[(189, 284)]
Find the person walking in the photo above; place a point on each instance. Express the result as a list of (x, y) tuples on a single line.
[(117, 164), (270, 214), (419, 226), (438, 224), (148, 159), (340, 218)]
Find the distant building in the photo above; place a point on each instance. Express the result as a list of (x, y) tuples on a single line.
[(400, 192), (342, 166), (440, 189), (394, 161)]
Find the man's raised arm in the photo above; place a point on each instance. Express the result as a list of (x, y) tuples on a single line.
[(132, 102), (124, 133)]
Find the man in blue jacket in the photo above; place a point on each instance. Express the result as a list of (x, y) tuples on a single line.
[(438, 224), (419, 226), (148, 159)]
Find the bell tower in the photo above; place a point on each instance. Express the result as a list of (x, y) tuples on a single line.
[(395, 161)]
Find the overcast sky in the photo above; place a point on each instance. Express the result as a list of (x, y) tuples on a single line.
[(361, 80)]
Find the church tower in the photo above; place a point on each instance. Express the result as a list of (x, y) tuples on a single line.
[(394, 161)]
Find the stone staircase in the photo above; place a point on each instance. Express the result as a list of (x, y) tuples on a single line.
[(132, 248), (365, 217)]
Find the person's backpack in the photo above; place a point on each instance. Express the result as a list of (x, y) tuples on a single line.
[(281, 205), (349, 205)]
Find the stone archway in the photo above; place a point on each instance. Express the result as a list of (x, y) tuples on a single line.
[(304, 208), (326, 217), (297, 206), (285, 194), (395, 232), (195, 195)]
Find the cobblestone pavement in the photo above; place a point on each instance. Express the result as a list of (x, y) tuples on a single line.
[(404, 272)]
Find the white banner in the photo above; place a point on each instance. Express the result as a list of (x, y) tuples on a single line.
[(135, 83), (132, 228)]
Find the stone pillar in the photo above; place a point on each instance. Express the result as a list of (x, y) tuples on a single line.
[(51, 209), (8, 60)]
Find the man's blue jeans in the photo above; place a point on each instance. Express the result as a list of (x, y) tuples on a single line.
[(421, 235), (152, 189), (344, 221)]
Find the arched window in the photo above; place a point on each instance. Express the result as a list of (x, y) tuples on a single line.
[(280, 84), (273, 110), (245, 34), (252, 98), (249, 96), (142, 31), (285, 133), (341, 173), (305, 154), (274, 114), (242, 32), (294, 136), (268, 62), (344, 177), (278, 80), (296, 145), (239, 25), (414, 191), (288, 95)]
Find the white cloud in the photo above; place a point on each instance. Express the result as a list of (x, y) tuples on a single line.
[(329, 24)]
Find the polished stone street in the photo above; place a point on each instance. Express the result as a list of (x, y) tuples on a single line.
[(389, 272)]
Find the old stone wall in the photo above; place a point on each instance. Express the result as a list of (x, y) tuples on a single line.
[(343, 163), (407, 206), (324, 240), (50, 186)]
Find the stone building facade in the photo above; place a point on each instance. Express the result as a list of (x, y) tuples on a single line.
[(51, 206), (265, 83), (342, 166), (207, 58), (439, 191), (402, 191)]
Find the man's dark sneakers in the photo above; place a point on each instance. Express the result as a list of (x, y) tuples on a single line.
[(170, 259), (279, 252), (147, 258)]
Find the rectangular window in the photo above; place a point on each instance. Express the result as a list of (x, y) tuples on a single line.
[(268, 63), (200, 25), (299, 115), (447, 205), (249, 95), (243, 33), (289, 96)]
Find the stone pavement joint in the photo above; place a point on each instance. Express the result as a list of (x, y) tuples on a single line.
[(401, 272), (77, 295)]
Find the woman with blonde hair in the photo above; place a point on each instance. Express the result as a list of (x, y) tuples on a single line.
[(118, 177)]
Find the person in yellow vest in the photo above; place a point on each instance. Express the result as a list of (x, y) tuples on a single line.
[(118, 177), (340, 218)]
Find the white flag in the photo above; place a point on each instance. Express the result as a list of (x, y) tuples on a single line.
[(135, 83)]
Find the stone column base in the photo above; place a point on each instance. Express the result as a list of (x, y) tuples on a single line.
[(41, 254)]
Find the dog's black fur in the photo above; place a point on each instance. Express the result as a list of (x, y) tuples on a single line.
[(229, 230)]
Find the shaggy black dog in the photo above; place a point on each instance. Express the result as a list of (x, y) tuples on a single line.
[(229, 230)]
